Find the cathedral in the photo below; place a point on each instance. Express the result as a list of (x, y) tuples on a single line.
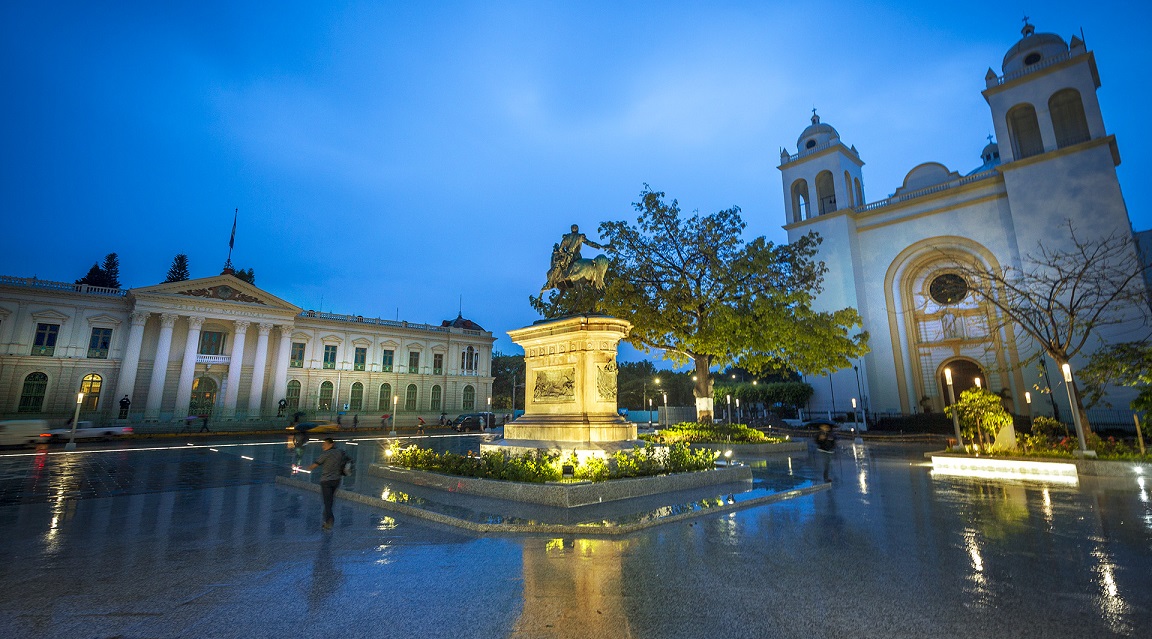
[(895, 258)]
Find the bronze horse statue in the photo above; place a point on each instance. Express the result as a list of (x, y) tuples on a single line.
[(582, 270)]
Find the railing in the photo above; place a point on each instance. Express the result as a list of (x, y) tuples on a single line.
[(32, 282), (97, 353), (43, 351), (816, 149), (376, 321), (1032, 68), (213, 359), (936, 188)]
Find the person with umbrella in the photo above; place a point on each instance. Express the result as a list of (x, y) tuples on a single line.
[(300, 439)]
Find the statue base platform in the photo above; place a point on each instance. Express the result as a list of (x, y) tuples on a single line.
[(570, 394)]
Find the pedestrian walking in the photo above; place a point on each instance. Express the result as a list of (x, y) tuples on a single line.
[(204, 424), (355, 421), (825, 448), (280, 407), (331, 461), (299, 441), (339, 420), (419, 425), (124, 404)]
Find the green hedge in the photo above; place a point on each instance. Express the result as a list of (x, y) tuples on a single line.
[(544, 466), (696, 433)]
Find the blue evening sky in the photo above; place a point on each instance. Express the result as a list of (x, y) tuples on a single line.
[(391, 159)]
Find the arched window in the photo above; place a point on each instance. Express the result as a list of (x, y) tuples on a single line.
[(800, 200), (90, 386), (859, 193), (293, 395), (410, 397), (468, 361), (32, 396), (848, 189), (356, 399), (826, 192), (1068, 118), (435, 402), (469, 398), (385, 397), (1024, 131), (203, 396), (325, 402)]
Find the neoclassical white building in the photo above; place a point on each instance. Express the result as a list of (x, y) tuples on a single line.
[(223, 347), (895, 258)]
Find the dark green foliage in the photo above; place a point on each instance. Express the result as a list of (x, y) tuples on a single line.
[(178, 272), (544, 466), (789, 394), (508, 370), (246, 275), (1126, 364), (107, 276), (692, 432)]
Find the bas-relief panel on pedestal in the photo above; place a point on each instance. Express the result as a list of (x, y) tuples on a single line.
[(606, 381), (555, 385)]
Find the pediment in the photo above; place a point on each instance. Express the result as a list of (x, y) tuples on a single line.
[(49, 314), (104, 318), (226, 289)]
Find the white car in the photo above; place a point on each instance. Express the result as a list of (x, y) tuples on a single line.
[(86, 430)]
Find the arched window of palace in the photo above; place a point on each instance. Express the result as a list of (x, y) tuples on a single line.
[(32, 395), (325, 402), (292, 396), (385, 397), (1068, 119), (468, 398), (859, 192), (436, 398), (90, 386), (826, 192), (848, 189), (356, 399), (1024, 131), (410, 398)]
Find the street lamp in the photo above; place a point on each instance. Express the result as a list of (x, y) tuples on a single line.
[(487, 416), (1075, 411), (649, 412), (955, 413), (729, 408), (739, 415), (855, 414), (71, 445), (395, 406), (1028, 399), (665, 410), (860, 391)]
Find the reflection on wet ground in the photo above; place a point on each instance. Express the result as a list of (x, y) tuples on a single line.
[(184, 543)]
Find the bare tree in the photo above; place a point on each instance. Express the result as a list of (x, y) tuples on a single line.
[(1062, 298)]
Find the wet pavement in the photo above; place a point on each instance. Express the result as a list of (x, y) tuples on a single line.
[(201, 542)]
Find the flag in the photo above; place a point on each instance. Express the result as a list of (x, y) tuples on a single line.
[(232, 240)]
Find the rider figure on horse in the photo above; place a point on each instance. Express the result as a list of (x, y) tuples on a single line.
[(565, 254)]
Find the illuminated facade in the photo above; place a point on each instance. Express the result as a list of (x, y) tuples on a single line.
[(228, 349), (895, 259)]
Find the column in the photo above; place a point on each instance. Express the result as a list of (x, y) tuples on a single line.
[(280, 381), (126, 384), (235, 362), (188, 368), (256, 395), (160, 366)]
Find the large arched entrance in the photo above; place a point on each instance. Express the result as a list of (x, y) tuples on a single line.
[(203, 396), (964, 374)]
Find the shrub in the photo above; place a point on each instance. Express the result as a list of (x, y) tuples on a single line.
[(693, 432)]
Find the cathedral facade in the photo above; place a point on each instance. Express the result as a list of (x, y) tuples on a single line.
[(896, 258), (222, 347)]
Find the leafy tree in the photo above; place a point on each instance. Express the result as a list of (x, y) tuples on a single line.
[(178, 272), (1126, 364), (508, 370), (95, 276), (1061, 298), (981, 414), (111, 269), (246, 275), (695, 290)]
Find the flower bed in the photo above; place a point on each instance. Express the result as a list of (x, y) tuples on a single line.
[(548, 466), (696, 433)]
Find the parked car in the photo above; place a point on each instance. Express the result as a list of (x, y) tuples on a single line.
[(85, 430), (22, 432), (474, 421)]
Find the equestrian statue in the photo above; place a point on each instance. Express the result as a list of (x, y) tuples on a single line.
[(569, 269)]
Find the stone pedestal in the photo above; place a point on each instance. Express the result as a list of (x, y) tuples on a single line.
[(570, 396)]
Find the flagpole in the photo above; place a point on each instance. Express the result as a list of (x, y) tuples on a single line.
[(231, 242)]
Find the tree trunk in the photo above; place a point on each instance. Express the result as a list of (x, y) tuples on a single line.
[(702, 389)]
